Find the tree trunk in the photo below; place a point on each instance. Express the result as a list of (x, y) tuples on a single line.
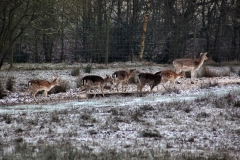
[(107, 40), (145, 21), (47, 46), (235, 48), (36, 53)]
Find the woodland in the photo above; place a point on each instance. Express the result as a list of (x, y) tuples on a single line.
[(104, 31)]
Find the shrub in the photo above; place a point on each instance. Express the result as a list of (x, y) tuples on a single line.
[(88, 68), (75, 72), (150, 133), (2, 92), (10, 83), (62, 88)]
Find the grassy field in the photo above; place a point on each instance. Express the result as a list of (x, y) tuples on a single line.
[(206, 127)]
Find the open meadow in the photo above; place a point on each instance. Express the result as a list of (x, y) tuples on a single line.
[(180, 121)]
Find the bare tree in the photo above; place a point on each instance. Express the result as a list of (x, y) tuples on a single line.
[(15, 18)]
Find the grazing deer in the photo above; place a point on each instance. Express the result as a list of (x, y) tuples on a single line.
[(169, 75), (122, 77), (189, 64), (148, 78), (95, 81), (35, 86)]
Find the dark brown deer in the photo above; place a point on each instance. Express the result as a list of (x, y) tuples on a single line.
[(91, 81), (122, 77), (35, 86), (189, 64), (148, 78)]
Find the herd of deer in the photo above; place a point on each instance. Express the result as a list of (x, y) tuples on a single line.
[(121, 77)]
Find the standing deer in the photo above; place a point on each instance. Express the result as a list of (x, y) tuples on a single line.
[(148, 78), (189, 64), (122, 77), (34, 86), (95, 81)]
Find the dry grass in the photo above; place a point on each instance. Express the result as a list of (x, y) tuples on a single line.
[(161, 131), (102, 122)]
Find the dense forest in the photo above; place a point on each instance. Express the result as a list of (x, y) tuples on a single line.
[(104, 31)]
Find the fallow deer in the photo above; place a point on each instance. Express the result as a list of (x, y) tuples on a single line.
[(95, 81), (148, 78), (171, 76), (34, 86), (189, 64), (122, 77)]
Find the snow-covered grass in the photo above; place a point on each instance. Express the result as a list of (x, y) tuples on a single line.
[(184, 121)]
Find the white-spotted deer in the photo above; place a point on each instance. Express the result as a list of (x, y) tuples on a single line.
[(34, 86), (91, 81), (171, 76), (148, 78), (122, 77), (189, 64)]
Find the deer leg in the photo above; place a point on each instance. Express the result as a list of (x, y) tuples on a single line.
[(192, 76), (27, 93), (82, 88), (87, 90), (94, 93), (122, 85), (111, 87), (138, 87), (45, 93), (164, 87), (102, 90), (151, 88), (126, 87), (117, 85), (34, 95), (172, 83)]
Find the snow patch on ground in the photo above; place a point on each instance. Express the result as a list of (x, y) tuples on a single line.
[(199, 117)]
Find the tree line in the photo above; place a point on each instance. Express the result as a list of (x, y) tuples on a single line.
[(104, 31)]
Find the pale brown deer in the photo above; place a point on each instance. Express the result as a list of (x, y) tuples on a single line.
[(34, 86), (171, 76), (148, 78), (189, 64), (122, 77), (91, 81)]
